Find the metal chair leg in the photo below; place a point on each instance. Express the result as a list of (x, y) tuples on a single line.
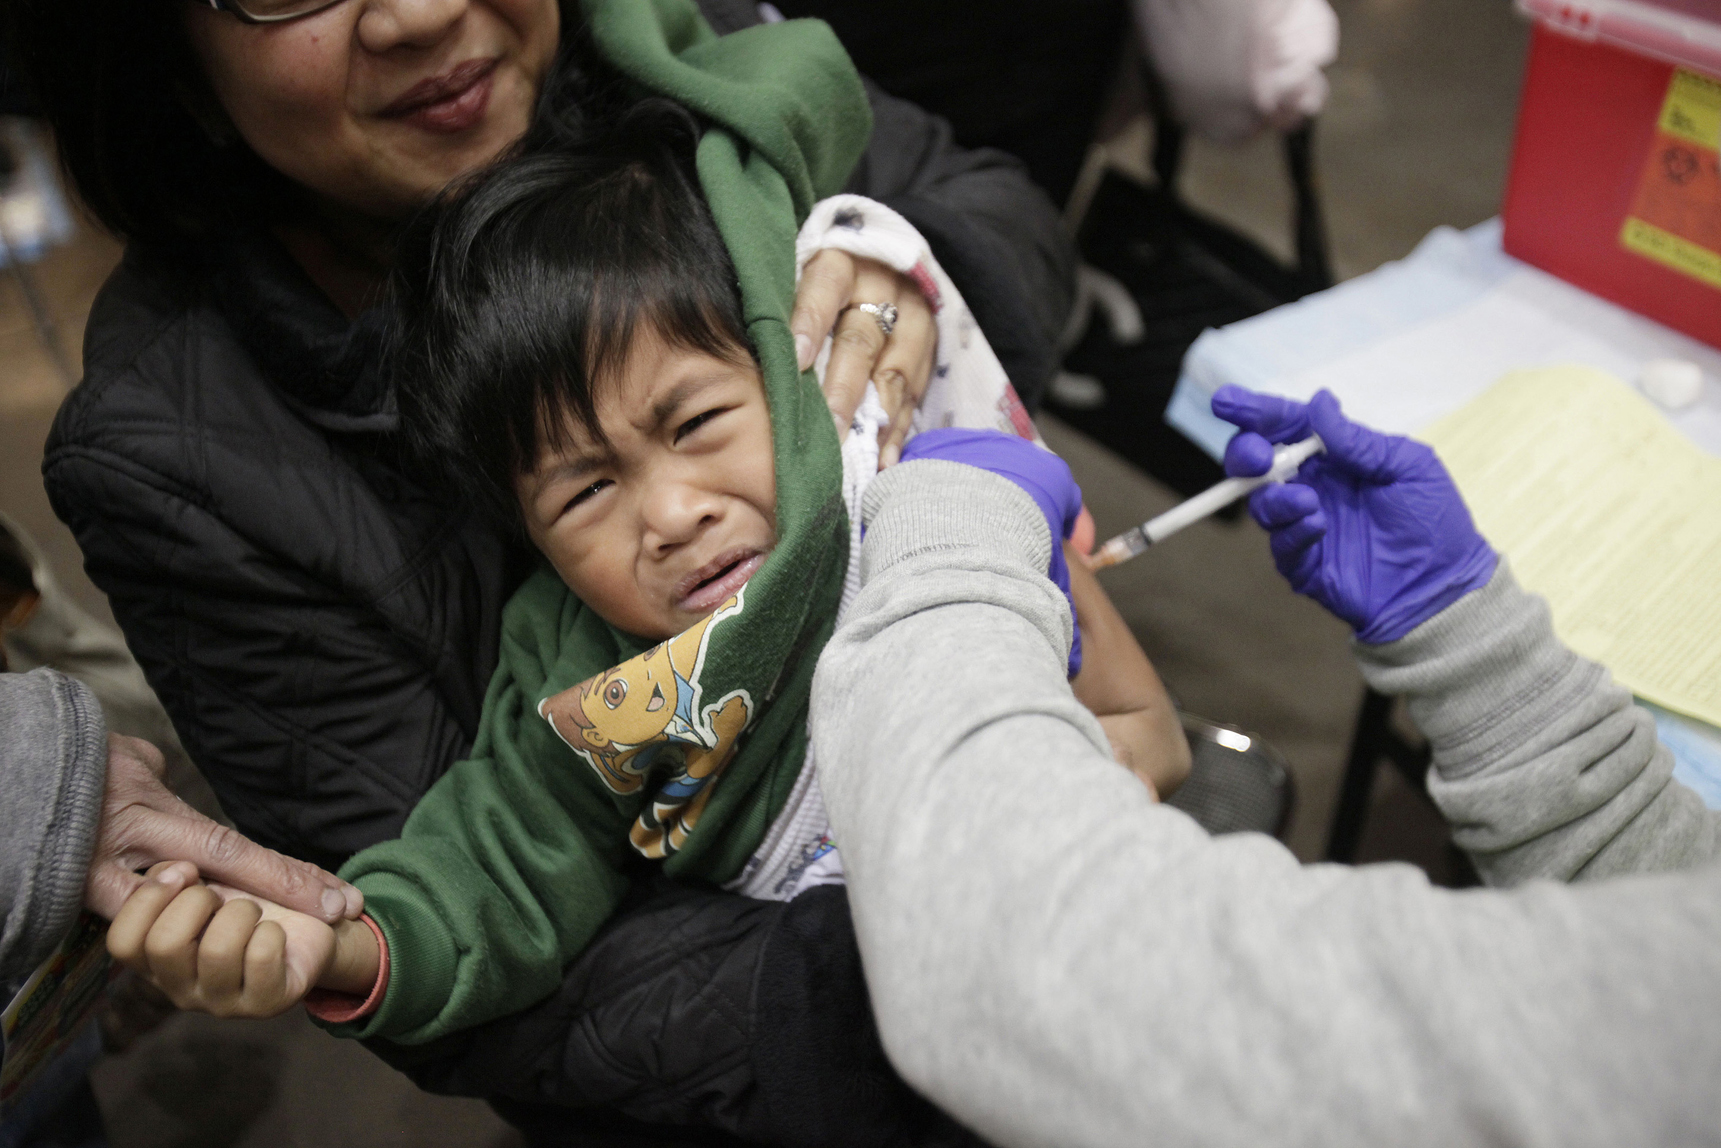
[(1358, 781), (1374, 739)]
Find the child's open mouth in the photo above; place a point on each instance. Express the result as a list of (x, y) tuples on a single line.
[(717, 581)]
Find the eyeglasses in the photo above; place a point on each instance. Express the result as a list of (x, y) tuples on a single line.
[(269, 11)]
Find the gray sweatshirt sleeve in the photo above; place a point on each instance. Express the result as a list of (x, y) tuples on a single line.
[(1542, 764), (53, 770), (1055, 959)]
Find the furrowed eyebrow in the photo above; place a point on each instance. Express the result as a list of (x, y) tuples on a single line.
[(572, 468), (665, 408)]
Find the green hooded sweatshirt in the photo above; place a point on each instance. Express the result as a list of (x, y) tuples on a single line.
[(515, 857)]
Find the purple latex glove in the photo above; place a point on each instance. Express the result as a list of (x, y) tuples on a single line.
[(1374, 529), (1044, 475)]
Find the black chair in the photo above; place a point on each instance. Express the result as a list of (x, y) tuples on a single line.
[(1187, 273)]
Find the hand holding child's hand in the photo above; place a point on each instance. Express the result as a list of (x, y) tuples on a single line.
[(234, 958)]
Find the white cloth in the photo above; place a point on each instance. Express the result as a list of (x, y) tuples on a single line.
[(1233, 67), (968, 389)]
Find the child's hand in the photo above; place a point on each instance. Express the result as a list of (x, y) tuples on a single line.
[(242, 958)]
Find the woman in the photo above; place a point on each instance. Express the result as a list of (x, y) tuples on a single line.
[(319, 625)]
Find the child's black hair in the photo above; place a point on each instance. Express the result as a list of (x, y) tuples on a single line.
[(523, 287)]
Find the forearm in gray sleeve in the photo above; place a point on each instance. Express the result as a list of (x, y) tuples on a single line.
[(53, 770), (1057, 960), (1542, 764)]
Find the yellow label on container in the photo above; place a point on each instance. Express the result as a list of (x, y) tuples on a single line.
[(1693, 109), (1671, 251), (1675, 218)]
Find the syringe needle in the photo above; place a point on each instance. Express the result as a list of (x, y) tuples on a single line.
[(1286, 460)]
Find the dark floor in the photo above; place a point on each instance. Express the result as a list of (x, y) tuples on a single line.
[(1417, 134), (198, 1082)]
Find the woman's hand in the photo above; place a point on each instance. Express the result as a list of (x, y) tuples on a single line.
[(143, 823), (833, 285)]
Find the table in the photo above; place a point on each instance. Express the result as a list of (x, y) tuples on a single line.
[(1414, 340)]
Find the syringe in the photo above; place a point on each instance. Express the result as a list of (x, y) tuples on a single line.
[(1286, 460)]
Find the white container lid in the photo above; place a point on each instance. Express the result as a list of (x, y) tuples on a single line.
[(1683, 32)]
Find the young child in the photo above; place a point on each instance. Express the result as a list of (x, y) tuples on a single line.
[(575, 348)]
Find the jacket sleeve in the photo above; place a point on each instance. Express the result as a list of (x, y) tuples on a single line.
[(53, 770), (317, 720), (1542, 764), (1055, 959), (997, 234), (504, 872)]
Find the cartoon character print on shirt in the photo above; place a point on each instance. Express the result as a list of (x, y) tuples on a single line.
[(649, 712)]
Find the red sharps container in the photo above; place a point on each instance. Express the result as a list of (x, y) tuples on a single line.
[(1614, 183)]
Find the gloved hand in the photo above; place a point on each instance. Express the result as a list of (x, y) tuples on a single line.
[(1044, 475), (1373, 529)]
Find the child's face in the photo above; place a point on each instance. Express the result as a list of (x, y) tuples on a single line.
[(664, 523)]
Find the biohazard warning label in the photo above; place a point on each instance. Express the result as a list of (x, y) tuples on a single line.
[(1677, 214), (1676, 217)]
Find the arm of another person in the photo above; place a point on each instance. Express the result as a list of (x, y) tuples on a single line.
[(1058, 960), (1542, 763), (1119, 685), (1113, 677), (81, 810), (1543, 766), (502, 874), (53, 768), (504, 871)]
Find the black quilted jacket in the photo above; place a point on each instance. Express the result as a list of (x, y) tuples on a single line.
[(321, 629)]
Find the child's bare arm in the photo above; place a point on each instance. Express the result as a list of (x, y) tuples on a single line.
[(239, 957), (1119, 685)]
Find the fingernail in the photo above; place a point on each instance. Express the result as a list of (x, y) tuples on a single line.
[(355, 899), (334, 903), (803, 351), (889, 456)]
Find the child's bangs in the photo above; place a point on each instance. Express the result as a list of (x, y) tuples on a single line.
[(525, 291), (649, 261)]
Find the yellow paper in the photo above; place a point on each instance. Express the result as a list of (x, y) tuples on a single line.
[(1608, 512)]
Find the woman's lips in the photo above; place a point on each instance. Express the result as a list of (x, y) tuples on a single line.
[(451, 102), (727, 575)]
